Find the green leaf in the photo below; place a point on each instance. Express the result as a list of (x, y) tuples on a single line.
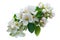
[(37, 30), (31, 27), (39, 14), (38, 9)]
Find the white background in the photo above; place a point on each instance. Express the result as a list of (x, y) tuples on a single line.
[(8, 7)]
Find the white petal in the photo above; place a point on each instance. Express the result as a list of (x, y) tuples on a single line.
[(36, 19), (44, 10), (44, 19), (48, 10), (22, 10), (47, 5), (30, 18), (11, 22), (53, 14), (25, 22), (14, 31), (31, 8), (21, 34), (19, 15), (40, 5), (9, 30), (34, 13)]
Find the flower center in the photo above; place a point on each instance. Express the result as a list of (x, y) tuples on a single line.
[(27, 18)]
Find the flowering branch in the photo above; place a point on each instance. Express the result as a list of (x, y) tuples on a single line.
[(31, 18)]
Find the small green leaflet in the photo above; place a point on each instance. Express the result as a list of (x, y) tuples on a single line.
[(31, 27), (37, 30), (15, 18)]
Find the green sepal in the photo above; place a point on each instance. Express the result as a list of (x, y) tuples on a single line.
[(15, 18)]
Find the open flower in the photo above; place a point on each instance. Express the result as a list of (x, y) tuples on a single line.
[(27, 17)]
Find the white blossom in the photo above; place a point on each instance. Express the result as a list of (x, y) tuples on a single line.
[(27, 17), (31, 9)]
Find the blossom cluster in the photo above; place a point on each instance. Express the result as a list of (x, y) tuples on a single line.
[(31, 18)]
